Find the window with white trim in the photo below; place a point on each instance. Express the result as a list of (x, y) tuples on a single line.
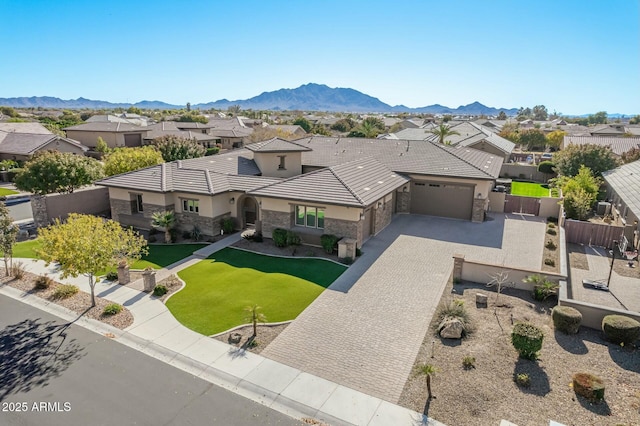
[(310, 217), (190, 206), (281, 165)]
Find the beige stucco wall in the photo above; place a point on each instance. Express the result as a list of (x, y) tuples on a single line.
[(90, 139), (496, 201), (482, 187), (550, 207), (269, 162), (62, 146), (330, 211), (147, 197), (478, 272)]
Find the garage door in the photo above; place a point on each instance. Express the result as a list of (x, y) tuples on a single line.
[(442, 199), (133, 140)]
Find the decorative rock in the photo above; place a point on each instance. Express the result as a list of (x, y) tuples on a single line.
[(451, 328), (481, 299), (235, 338)]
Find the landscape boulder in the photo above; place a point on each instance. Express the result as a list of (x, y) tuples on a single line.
[(451, 328)]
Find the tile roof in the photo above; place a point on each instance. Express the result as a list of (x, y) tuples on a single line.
[(618, 145), (28, 144), (101, 126), (625, 180), (357, 183), (277, 145), (33, 128)]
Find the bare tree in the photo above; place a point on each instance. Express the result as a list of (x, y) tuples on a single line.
[(500, 280)]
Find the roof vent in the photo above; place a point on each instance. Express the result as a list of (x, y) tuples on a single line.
[(359, 167), (380, 182), (366, 188)]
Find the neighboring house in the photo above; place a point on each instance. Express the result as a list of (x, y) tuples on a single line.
[(170, 128), (126, 117), (114, 134), (233, 133), (350, 187), (20, 141), (292, 129), (617, 145), (616, 129), (623, 190)]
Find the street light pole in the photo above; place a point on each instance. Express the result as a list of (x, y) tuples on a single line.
[(613, 258)]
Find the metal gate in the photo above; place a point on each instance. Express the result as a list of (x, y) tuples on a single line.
[(518, 204)]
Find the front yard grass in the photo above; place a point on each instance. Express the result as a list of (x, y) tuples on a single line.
[(6, 191), (219, 288), (26, 249), (528, 189)]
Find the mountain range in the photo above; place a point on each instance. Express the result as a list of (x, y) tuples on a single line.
[(308, 97)]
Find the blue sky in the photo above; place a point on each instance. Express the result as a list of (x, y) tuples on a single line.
[(575, 57)]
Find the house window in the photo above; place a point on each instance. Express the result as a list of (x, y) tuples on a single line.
[(281, 165), (137, 206), (190, 206), (310, 217)]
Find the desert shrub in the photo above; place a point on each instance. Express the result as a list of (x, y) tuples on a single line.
[(112, 276), (160, 290), (43, 282), (227, 225), (196, 233), (551, 225), (566, 319), (527, 339), (18, 270), (589, 386), (469, 362), (212, 151), (523, 379), (455, 309), (65, 291), (328, 242), (279, 236), (112, 309), (552, 231), (545, 289), (620, 329), (293, 239), (549, 262), (551, 245)]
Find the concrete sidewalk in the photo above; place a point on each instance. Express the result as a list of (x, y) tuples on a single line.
[(157, 333)]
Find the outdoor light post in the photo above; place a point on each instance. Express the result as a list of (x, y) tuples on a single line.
[(613, 258)]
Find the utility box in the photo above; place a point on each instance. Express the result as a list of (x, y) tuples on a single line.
[(347, 249), (603, 209)]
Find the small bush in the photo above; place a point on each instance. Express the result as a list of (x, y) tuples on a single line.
[(346, 260), (279, 236), (551, 225), (552, 219), (18, 270), (293, 239), (552, 231), (527, 339), (227, 225), (620, 329), (112, 309), (196, 233), (549, 262), (545, 289), (551, 245), (566, 319), (588, 386), (358, 252), (329, 242), (455, 309), (112, 276), (457, 280), (469, 362), (160, 290), (43, 282), (65, 291), (523, 380), (211, 151)]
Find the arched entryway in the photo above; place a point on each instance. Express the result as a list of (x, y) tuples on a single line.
[(249, 211)]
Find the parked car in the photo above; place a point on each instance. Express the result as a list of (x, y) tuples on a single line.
[(547, 156)]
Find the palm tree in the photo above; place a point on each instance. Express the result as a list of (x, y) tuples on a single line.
[(427, 370), (254, 316), (442, 131), (164, 220)]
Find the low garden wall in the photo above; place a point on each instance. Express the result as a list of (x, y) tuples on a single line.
[(92, 200), (523, 171)]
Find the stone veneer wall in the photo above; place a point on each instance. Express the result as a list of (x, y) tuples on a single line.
[(344, 229), (208, 225), (272, 219), (479, 207), (119, 207), (382, 217), (39, 209), (149, 210), (403, 202)]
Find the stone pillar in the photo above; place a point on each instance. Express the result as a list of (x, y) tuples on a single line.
[(39, 209), (458, 261), (124, 277), (149, 279), (403, 201), (478, 209), (347, 248)]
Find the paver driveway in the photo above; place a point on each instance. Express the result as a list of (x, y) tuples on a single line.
[(365, 331)]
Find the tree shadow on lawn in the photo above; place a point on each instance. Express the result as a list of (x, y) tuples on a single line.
[(32, 352), (571, 343), (540, 385)]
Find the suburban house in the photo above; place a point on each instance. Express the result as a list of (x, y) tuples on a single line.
[(125, 117), (116, 135), (617, 145), (171, 128), (349, 187), (20, 141), (623, 190)]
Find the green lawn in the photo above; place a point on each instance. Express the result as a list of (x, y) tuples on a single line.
[(5, 191), (159, 255), (528, 189), (219, 288)]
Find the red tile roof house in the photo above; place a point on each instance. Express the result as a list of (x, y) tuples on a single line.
[(349, 187)]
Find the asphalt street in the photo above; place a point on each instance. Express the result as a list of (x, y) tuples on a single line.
[(56, 373)]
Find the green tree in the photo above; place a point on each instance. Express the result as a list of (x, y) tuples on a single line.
[(555, 139), (254, 316), (54, 171), (502, 115), (369, 128), (531, 139), (89, 245), (8, 234), (188, 106), (122, 160), (631, 156), (192, 117), (442, 131), (134, 110), (177, 148), (166, 220), (635, 120), (598, 118), (234, 110), (510, 132), (540, 113), (546, 167), (595, 157), (304, 123), (344, 125), (580, 193), (9, 111), (101, 146), (319, 129), (427, 370)]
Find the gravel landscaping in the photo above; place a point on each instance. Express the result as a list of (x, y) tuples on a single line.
[(241, 337), (487, 393)]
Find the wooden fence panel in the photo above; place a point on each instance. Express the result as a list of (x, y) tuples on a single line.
[(594, 234), (518, 204)]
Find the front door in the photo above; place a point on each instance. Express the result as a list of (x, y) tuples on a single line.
[(249, 209)]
